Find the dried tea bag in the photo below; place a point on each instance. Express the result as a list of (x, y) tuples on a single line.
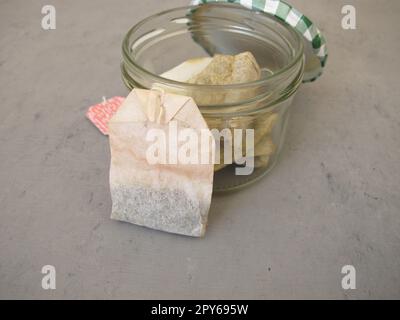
[(168, 196), (222, 70), (226, 69), (218, 70)]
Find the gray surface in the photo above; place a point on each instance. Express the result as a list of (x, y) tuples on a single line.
[(333, 199)]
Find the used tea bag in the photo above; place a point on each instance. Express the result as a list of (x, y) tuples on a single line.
[(170, 196)]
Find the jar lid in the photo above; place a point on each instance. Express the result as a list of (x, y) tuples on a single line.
[(315, 48)]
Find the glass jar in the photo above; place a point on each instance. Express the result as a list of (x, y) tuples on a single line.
[(165, 40)]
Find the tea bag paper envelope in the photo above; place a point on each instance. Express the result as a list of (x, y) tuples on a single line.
[(168, 196)]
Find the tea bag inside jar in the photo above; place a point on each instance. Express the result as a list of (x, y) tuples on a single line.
[(224, 70), (220, 69), (160, 192)]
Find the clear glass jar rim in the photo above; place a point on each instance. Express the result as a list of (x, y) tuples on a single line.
[(172, 83)]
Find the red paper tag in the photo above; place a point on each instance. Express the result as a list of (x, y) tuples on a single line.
[(100, 114)]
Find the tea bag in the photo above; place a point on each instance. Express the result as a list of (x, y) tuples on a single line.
[(227, 69), (219, 70), (223, 70), (168, 196)]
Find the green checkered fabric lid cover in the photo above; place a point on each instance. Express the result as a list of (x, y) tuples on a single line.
[(316, 50)]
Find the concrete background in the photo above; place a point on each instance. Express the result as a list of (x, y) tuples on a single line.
[(332, 200)]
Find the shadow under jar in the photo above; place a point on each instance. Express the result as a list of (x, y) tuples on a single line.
[(165, 40)]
